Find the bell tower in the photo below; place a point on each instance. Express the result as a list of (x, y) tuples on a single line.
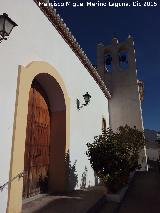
[(116, 64)]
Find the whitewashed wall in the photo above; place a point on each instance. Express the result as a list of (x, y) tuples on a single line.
[(153, 154), (35, 39)]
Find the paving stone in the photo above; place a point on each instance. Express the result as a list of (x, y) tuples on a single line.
[(79, 201)]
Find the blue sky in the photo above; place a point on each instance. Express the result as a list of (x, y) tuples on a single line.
[(93, 25)]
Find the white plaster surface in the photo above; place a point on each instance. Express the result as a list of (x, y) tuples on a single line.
[(153, 154), (35, 39)]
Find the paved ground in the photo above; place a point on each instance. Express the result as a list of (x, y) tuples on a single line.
[(110, 207), (79, 201), (143, 195)]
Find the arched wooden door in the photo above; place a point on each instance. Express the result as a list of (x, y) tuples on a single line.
[(37, 144)]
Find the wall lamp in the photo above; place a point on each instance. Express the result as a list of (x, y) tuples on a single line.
[(6, 26), (87, 98)]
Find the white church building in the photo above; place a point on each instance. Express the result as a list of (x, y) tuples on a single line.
[(54, 101)]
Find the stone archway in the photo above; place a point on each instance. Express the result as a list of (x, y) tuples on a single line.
[(59, 107)]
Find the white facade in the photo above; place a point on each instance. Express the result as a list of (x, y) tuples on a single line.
[(153, 150), (35, 39), (153, 154)]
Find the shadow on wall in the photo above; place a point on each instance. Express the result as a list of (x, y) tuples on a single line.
[(84, 179), (72, 176), (71, 173)]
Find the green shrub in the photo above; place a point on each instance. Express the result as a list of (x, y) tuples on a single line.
[(113, 155)]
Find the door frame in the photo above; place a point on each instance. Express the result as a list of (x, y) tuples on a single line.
[(24, 81)]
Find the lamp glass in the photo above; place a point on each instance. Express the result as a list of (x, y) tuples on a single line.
[(87, 97), (8, 26), (1, 24)]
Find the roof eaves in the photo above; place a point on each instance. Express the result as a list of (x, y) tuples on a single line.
[(64, 31)]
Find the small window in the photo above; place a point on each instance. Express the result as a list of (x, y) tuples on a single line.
[(103, 123)]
